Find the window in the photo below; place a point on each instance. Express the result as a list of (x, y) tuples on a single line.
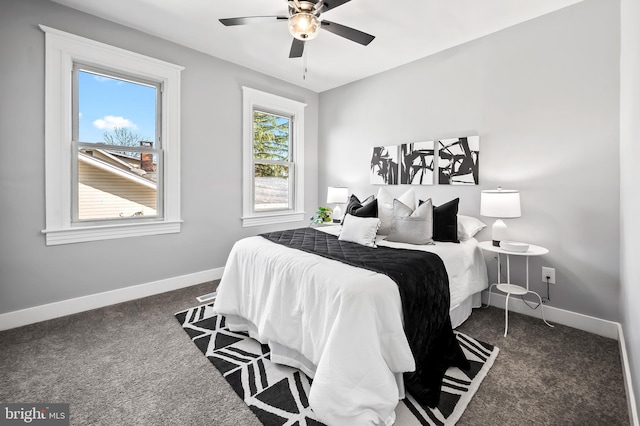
[(112, 147), (273, 129)]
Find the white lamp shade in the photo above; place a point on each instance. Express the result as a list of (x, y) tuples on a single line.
[(337, 195), (501, 203)]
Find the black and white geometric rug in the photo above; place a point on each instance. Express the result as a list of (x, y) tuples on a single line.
[(277, 394)]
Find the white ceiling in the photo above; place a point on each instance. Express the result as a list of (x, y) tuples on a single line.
[(405, 30)]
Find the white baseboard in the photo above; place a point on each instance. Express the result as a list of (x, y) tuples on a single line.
[(85, 303), (628, 384), (572, 319), (588, 323)]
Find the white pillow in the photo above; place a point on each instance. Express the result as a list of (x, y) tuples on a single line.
[(360, 230), (468, 227), (409, 199), (385, 207)]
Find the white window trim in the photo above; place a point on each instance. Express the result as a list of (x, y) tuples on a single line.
[(256, 99), (62, 50)]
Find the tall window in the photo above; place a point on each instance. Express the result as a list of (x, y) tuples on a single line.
[(112, 142), (273, 154)]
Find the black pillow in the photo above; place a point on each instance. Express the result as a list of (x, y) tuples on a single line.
[(445, 221), (366, 208)]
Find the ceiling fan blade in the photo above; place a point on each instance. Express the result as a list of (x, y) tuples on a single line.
[(251, 20), (348, 32), (297, 48), (332, 4)]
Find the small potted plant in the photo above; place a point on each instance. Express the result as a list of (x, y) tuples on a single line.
[(323, 215)]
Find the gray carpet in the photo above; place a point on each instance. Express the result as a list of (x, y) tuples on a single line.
[(546, 376), (133, 364)]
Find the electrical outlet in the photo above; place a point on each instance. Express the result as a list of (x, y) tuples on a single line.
[(549, 272)]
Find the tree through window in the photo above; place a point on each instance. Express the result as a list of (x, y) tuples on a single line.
[(273, 168)]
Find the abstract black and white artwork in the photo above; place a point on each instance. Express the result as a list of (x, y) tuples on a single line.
[(384, 165), (417, 162), (458, 161)]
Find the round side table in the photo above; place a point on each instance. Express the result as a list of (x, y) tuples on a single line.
[(508, 287)]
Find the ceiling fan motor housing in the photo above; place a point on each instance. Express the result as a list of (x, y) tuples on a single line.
[(303, 20)]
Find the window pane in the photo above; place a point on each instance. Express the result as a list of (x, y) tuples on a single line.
[(271, 137), (271, 187), (116, 183), (115, 111), (113, 185)]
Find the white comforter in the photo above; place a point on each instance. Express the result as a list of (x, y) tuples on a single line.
[(339, 324)]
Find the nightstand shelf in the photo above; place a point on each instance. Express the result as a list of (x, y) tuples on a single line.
[(512, 289), (508, 287)]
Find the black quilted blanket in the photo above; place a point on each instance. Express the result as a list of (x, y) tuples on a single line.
[(424, 290)]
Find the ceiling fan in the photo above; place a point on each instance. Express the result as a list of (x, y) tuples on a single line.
[(304, 23)]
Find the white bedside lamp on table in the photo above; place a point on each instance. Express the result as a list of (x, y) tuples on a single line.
[(501, 204), (337, 195)]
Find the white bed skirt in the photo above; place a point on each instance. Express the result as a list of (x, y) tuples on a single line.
[(460, 313)]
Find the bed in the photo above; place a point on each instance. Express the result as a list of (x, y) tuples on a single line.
[(340, 325)]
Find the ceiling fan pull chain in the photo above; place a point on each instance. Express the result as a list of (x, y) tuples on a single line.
[(304, 64)]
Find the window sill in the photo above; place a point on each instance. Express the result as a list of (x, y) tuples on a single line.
[(270, 218), (55, 237)]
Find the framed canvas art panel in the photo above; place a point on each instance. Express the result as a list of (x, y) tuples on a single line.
[(458, 160), (384, 165), (417, 163)]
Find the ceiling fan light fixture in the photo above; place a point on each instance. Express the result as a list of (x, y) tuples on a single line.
[(304, 26)]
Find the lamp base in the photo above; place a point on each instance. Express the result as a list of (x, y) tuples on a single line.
[(337, 214), (498, 232)]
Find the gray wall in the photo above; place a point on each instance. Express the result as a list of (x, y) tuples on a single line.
[(630, 203), (32, 274), (544, 98)]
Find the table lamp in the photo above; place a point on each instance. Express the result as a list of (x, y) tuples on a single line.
[(501, 204), (337, 195)]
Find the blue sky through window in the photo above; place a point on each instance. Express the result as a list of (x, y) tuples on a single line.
[(105, 103)]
